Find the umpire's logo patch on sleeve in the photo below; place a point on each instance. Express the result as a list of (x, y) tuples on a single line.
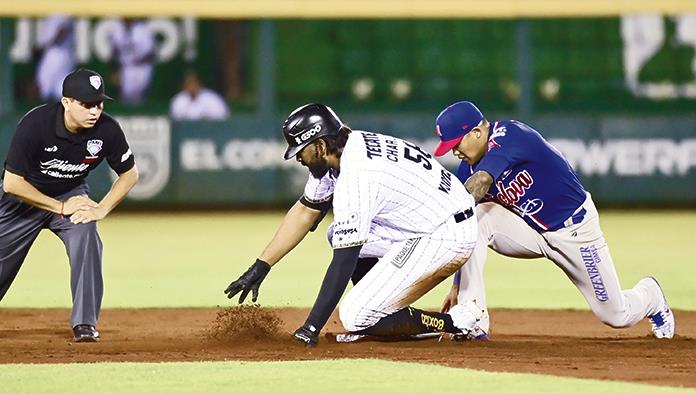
[(400, 259)]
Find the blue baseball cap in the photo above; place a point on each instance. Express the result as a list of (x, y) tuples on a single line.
[(453, 123)]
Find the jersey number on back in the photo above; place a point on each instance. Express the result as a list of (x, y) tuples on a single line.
[(419, 156)]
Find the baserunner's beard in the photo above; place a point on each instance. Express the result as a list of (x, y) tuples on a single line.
[(320, 168)]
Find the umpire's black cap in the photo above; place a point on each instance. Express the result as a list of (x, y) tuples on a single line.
[(306, 124), (85, 85)]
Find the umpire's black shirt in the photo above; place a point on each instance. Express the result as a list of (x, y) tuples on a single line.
[(54, 160)]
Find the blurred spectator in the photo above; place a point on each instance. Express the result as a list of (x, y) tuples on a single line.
[(232, 37), (134, 47), (196, 102), (56, 44)]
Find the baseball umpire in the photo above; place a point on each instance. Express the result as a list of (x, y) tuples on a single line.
[(531, 205), (401, 226), (54, 147)]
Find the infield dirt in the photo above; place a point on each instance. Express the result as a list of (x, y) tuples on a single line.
[(563, 343)]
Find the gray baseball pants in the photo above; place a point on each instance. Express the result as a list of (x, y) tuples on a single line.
[(21, 223)]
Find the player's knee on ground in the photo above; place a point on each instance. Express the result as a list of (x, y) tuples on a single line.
[(355, 318)]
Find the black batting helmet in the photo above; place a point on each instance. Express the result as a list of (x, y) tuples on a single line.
[(306, 124)]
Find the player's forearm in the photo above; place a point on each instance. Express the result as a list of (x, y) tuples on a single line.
[(335, 282), (25, 191), (119, 190), (478, 184), (294, 227)]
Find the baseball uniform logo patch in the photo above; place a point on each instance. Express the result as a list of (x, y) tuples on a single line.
[(432, 322), (498, 131), (94, 146), (95, 81), (307, 134), (62, 169), (517, 188), (531, 207), (445, 181), (346, 231), (493, 144), (591, 259), (373, 146), (400, 259), (126, 155)]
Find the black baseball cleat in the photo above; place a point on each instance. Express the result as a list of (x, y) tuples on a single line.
[(85, 333)]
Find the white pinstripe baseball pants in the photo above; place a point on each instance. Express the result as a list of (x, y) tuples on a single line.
[(406, 271)]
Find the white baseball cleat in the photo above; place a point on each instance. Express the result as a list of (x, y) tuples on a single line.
[(478, 334), (349, 337), (662, 322), (465, 316)]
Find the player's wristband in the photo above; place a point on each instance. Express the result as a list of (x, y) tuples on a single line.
[(457, 278)]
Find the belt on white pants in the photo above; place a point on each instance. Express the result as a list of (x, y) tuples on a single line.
[(462, 216), (576, 218)]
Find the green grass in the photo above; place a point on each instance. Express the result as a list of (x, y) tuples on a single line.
[(182, 260), (187, 260), (334, 377)]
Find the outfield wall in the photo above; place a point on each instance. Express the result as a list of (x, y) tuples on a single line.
[(621, 160)]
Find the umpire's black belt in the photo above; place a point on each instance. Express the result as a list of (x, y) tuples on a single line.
[(462, 216)]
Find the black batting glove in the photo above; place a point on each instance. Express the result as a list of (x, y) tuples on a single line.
[(307, 334), (249, 281)]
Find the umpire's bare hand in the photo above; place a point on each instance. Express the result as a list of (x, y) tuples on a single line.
[(249, 281), (76, 203)]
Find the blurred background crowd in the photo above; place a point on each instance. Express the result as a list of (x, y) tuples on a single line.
[(201, 98), (630, 63)]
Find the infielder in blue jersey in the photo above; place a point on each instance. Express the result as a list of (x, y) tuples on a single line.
[(531, 204)]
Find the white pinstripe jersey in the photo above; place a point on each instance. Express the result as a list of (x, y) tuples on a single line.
[(389, 189)]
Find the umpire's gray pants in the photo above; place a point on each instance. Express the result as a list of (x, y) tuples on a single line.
[(21, 223)]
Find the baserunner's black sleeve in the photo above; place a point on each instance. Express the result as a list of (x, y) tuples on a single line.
[(335, 282), (324, 207)]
